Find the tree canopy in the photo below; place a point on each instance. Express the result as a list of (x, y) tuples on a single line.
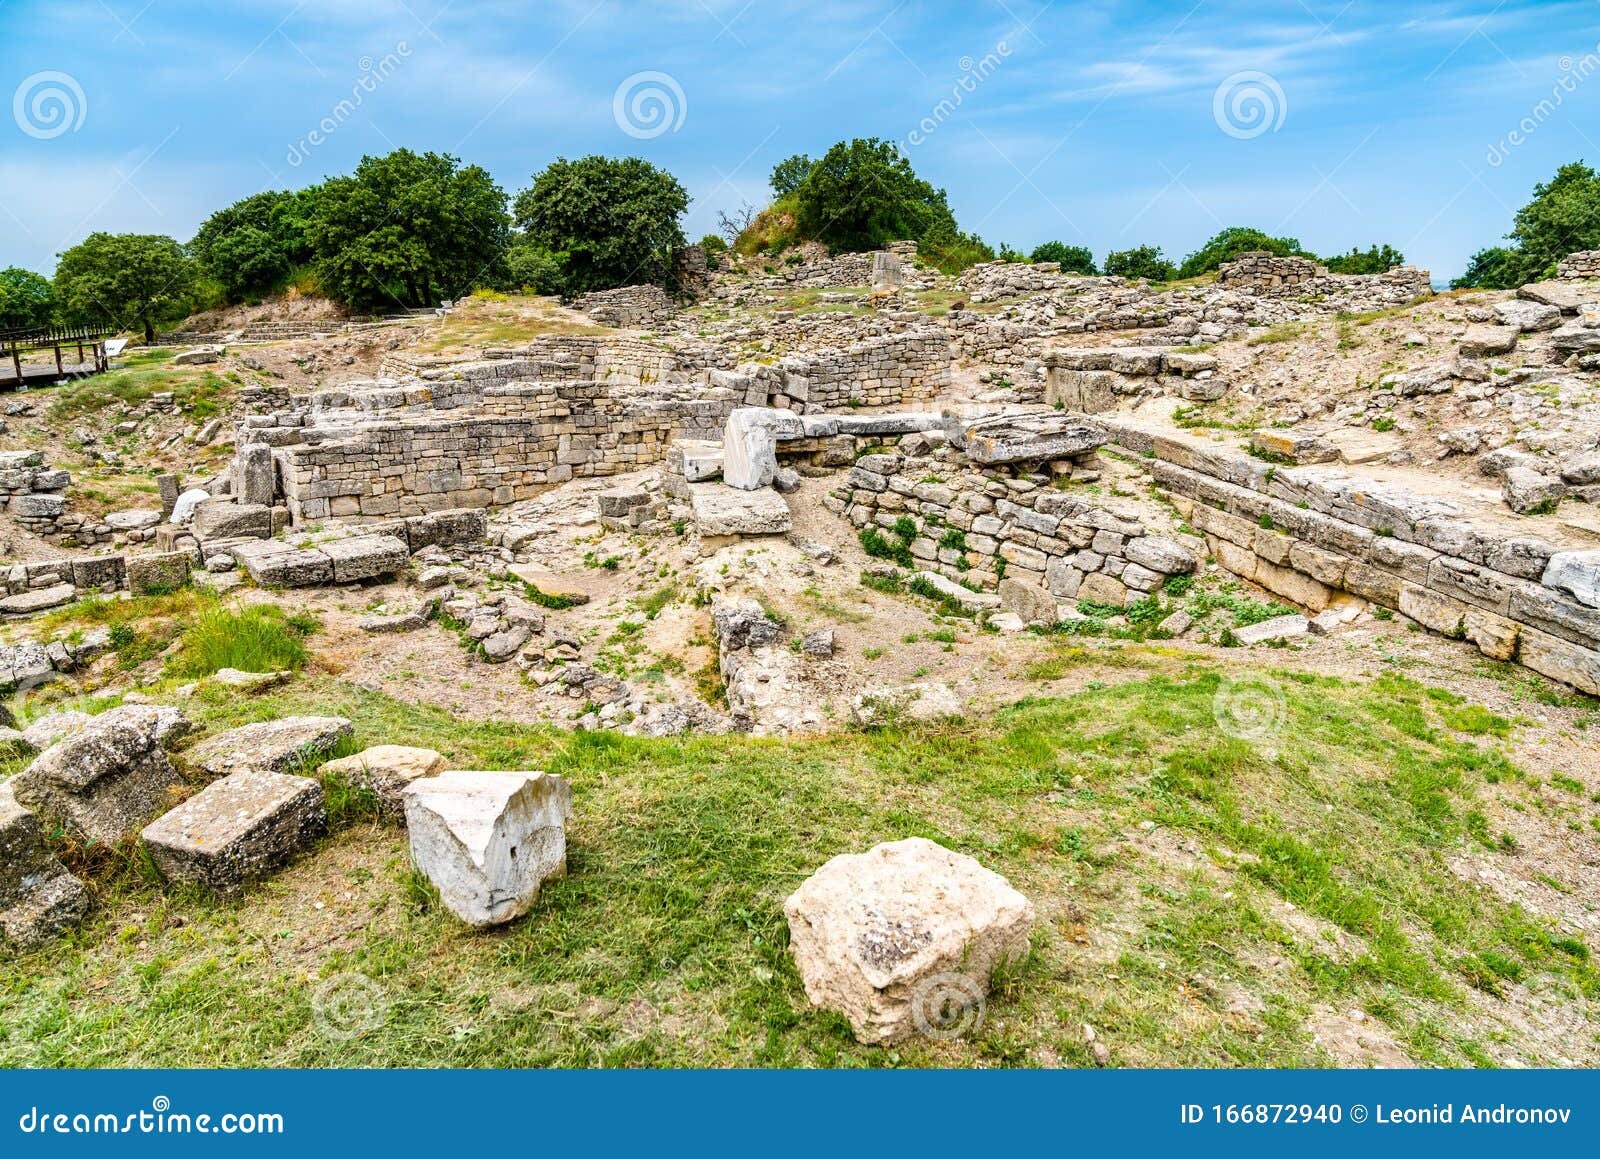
[(1377, 259), (1074, 259), (125, 279), (1562, 218), (250, 248), (407, 228), (789, 173), (864, 194), (615, 219), (27, 300), (1229, 243)]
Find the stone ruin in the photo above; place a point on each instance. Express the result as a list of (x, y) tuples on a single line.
[(1581, 266), (1264, 273)]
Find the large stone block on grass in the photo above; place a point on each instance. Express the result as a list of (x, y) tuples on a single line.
[(488, 840), (108, 778), (39, 898), (237, 830), (277, 746), (365, 556), (893, 937), (385, 770)]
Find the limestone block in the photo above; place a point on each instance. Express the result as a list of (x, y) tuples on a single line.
[(721, 511), (1033, 603), (278, 746), (107, 778), (750, 445), (899, 938), (489, 840), (39, 898), (238, 829), (273, 563), (230, 519), (158, 573), (1577, 573), (362, 557)]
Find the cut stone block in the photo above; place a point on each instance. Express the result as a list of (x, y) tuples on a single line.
[(721, 511), (276, 746), (1024, 437), (365, 556), (750, 445), (1277, 628), (969, 600), (255, 475), (489, 840), (39, 898), (238, 829), (1577, 573), (1030, 601), (108, 778), (150, 574), (1484, 341), (229, 519), (24, 603), (249, 682), (386, 770), (274, 564), (894, 938)]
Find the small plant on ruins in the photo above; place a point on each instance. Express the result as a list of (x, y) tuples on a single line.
[(1379, 612), (887, 584), (894, 546), (255, 638), (1178, 585), (1383, 423)]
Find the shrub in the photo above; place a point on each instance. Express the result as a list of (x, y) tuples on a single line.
[(1140, 262), (1233, 241), (863, 194), (1074, 259), (1376, 260)]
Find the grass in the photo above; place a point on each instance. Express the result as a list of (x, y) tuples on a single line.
[(666, 943), (254, 638), (143, 373)]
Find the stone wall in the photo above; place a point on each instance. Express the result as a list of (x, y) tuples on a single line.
[(635, 307), (1273, 276), (991, 529), (1309, 534), (988, 281), (1580, 266), (515, 439)]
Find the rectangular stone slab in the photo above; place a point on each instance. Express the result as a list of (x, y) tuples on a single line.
[(238, 829), (722, 511), (365, 556)]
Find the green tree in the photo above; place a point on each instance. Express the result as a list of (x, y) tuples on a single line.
[(407, 227), (251, 247), (789, 173), (531, 266), (1378, 259), (1233, 241), (863, 194), (616, 219), (1492, 268), (1140, 262), (1074, 259), (125, 280), (27, 300), (1562, 218)]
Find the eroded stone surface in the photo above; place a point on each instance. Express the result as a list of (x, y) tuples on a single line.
[(386, 770), (488, 840), (275, 746), (886, 937), (238, 829)]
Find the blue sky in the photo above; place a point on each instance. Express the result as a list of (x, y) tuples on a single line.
[(1103, 124)]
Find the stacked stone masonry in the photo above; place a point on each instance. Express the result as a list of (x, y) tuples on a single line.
[(1273, 276), (1579, 267), (1309, 534)]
